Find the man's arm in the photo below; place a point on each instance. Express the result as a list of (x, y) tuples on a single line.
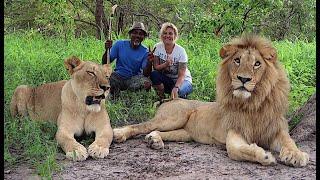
[(147, 70), (108, 45), (104, 58)]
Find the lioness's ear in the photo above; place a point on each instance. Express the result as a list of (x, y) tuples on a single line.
[(107, 68), (227, 50), (269, 53), (71, 63)]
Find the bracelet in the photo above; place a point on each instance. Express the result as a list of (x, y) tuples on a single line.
[(177, 87)]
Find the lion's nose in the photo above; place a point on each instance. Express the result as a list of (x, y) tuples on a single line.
[(104, 87), (243, 79)]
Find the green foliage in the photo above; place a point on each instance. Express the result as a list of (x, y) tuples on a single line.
[(276, 19), (295, 120), (33, 59)]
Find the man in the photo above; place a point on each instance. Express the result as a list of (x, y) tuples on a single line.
[(133, 62)]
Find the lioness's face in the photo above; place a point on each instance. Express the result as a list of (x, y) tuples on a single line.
[(246, 68), (90, 82)]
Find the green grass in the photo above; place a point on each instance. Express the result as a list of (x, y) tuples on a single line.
[(33, 59)]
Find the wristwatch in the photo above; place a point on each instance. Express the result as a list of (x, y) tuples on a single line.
[(177, 87)]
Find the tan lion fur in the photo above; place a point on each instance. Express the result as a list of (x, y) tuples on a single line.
[(33, 101), (248, 115), (76, 105)]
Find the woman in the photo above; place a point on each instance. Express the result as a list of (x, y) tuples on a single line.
[(171, 74)]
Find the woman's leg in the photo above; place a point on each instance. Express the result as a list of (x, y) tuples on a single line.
[(157, 83), (185, 89)]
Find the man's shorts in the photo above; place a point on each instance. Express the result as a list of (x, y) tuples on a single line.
[(134, 83)]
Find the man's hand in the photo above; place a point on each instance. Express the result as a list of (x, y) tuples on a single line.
[(150, 54), (108, 44)]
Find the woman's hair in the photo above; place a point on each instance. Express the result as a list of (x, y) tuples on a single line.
[(166, 25)]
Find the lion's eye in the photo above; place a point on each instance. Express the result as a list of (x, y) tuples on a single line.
[(237, 61), (91, 73), (258, 63)]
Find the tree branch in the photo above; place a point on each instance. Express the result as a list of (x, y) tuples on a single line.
[(86, 22), (88, 7)]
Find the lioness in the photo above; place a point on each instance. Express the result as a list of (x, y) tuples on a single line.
[(248, 115), (76, 105)]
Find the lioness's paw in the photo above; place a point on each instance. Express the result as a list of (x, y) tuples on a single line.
[(97, 151), (79, 154), (294, 158), (154, 140), (119, 134)]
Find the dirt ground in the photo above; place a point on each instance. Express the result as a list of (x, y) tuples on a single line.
[(134, 160)]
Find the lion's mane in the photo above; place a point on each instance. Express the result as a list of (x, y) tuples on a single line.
[(256, 118)]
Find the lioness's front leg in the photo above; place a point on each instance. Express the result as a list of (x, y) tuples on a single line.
[(100, 147), (74, 150), (239, 149), (289, 153)]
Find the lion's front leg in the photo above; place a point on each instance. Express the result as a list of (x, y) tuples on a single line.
[(289, 153), (100, 147), (239, 149), (74, 150)]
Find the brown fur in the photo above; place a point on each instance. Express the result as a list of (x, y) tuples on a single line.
[(252, 91), (76, 105)]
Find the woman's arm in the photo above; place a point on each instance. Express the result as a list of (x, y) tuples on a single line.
[(181, 73)]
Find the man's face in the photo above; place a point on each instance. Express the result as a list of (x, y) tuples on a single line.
[(136, 37)]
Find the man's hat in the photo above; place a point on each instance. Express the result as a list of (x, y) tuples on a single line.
[(140, 26)]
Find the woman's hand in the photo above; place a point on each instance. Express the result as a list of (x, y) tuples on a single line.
[(174, 92), (169, 62)]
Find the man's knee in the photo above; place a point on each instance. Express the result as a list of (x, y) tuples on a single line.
[(116, 82), (147, 85)]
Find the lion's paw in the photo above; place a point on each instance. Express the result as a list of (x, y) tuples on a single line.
[(119, 134), (97, 151), (294, 158), (154, 140), (79, 154), (263, 157), (268, 159)]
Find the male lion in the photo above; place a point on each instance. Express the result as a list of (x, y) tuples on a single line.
[(252, 91), (76, 105)]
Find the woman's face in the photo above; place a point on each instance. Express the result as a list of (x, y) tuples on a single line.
[(168, 36)]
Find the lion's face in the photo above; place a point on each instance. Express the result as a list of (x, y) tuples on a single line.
[(249, 63), (246, 68), (90, 82)]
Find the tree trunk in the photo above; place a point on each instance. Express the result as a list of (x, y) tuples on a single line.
[(120, 23), (100, 20), (306, 129)]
